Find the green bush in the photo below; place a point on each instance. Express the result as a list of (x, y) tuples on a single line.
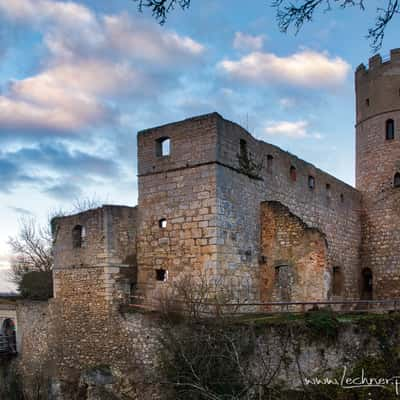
[(37, 285), (322, 323)]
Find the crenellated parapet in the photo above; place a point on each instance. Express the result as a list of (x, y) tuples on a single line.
[(378, 86)]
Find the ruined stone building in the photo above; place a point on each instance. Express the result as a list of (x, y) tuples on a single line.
[(214, 200)]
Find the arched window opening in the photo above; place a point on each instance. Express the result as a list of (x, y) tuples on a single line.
[(396, 180), (78, 236), (366, 284), (270, 159), (311, 182), (367, 102), (162, 223), (163, 147), (337, 281), (389, 129), (293, 173), (341, 197)]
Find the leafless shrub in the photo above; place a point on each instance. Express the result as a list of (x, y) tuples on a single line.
[(31, 250), (200, 295)]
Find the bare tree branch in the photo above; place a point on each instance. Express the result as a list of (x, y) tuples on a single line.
[(293, 13), (31, 250), (160, 8), (385, 15)]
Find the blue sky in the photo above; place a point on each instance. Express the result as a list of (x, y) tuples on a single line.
[(79, 79)]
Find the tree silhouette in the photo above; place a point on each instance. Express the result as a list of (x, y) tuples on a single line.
[(294, 14)]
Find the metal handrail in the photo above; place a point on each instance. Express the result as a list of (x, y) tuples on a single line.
[(284, 306)]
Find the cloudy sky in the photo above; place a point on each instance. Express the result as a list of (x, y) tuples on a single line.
[(79, 79)]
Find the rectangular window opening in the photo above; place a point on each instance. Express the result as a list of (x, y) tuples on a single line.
[(161, 275)]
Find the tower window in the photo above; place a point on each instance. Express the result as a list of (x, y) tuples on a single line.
[(328, 187), (163, 147), (162, 223), (78, 235), (270, 159), (366, 284), (389, 129), (341, 197), (243, 149), (311, 182), (396, 180), (367, 102), (337, 281), (293, 173)]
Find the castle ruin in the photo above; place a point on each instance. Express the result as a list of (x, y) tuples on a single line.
[(216, 202), (213, 199)]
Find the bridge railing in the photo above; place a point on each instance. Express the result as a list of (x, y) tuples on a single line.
[(215, 308)]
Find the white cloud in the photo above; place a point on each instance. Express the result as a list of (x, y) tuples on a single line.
[(92, 59), (294, 130), (71, 29), (306, 68), (245, 42), (56, 99), (143, 40), (66, 13)]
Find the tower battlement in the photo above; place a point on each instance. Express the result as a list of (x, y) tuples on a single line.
[(377, 61), (378, 86)]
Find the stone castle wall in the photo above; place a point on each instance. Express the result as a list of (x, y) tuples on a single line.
[(295, 267), (212, 205), (108, 245), (180, 188), (61, 341), (125, 362), (109, 238), (377, 161), (331, 206)]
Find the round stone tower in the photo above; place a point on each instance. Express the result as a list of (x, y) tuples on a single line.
[(378, 174)]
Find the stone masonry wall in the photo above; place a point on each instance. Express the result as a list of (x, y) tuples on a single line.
[(282, 355), (180, 188), (63, 341), (295, 266), (331, 206), (110, 236), (377, 161), (109, 242), (212, 205)]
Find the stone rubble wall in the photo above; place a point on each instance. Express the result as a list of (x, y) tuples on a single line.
[(109, 242), (213, 207), (180, 188), (332, 207), (121, 357), (296, 268)]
